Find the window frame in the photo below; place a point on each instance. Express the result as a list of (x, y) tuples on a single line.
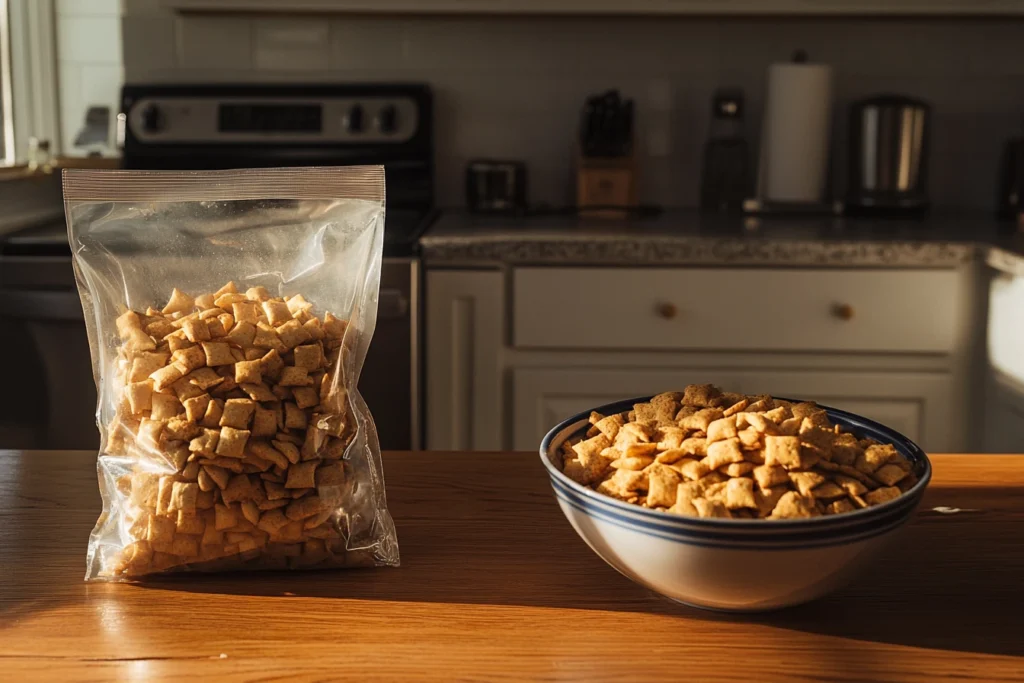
[(9, 155), (28, 80)]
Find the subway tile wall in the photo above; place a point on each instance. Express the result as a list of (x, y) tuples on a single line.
[(89, 67), (512, 87)]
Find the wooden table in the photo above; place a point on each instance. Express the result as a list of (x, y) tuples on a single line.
[(495, 585)]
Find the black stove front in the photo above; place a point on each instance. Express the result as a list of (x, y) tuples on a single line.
[(204, 127)]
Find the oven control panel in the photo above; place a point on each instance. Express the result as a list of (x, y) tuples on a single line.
[(218, 120)]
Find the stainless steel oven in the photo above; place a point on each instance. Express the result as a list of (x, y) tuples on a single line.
[(208, 127)]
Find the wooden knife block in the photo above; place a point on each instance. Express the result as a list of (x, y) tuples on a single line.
[(605, 182)]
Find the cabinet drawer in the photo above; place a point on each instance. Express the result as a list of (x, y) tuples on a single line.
[(735, 309), (914, 403)]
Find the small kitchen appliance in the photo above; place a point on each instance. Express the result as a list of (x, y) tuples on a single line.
[(494, 186), (888, 156)]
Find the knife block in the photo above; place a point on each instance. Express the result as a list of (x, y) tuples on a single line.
[(607, 184)]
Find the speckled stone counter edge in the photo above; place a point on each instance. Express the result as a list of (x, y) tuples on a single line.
[(1004, 260), (569, 250)]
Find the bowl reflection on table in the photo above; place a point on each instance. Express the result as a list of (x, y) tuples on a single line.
[(732, 564)]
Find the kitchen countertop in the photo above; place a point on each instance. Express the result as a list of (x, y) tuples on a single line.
[(690, 238), (494, 584)]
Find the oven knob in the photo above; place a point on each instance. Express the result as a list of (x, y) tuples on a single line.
[(387, 119), (152, 119), (353, 120)]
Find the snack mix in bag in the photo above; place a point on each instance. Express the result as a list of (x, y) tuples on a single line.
[(229, 313)]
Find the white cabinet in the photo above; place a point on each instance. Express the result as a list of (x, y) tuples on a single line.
[(1004, 392), (1004, 418), (736, 309), (465, 316), (487, 390), (915, 404)]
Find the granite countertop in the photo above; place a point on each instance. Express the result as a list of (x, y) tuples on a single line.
[(689, 238)]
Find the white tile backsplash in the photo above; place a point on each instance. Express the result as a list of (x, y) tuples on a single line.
[(88, 8), (83, 86), (214, 43), (72, 102), (359, 43), (101, 87), (89, 39), (90, 58), (149, 39), (513, 86), (139, 7), (291, 44)]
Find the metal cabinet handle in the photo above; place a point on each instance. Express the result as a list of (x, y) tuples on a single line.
[(667, 311), (843, 311)]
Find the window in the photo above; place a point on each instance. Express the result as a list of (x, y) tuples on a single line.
[(7, 155), (28, 83)]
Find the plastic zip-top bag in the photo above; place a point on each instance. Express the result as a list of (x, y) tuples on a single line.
[(229, 313)]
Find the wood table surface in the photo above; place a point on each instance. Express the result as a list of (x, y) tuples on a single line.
[(495, 585)]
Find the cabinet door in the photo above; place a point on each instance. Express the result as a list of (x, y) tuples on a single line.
[(1004, 415), (465, 315), (915, 404)]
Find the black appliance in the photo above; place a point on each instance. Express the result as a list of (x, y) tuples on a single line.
[(888, 156), (235, 126), (726, 180), (496, 186), (606, 128), (1010, 202)]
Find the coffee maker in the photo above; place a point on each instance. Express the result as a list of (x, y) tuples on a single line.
[(888, 157)]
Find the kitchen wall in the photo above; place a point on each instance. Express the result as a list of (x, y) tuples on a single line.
[(89, 68), (512, 87)]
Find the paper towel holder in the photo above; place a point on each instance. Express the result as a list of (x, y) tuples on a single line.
[(760, 205)]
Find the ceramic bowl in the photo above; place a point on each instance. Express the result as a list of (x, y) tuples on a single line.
[(732, 564)]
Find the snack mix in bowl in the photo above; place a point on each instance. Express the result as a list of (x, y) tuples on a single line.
[(703, 452)]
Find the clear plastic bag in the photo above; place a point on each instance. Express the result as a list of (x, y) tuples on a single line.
[(229, 313)]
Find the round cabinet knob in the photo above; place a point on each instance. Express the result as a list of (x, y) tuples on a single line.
[(353, 120), (387, 119), (152, 119), (667, 311), (843, 311)]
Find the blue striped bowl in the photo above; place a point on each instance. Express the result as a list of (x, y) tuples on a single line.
[(732, 564)]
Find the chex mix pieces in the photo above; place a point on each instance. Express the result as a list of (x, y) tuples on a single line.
[(707, 453), (234, 416)]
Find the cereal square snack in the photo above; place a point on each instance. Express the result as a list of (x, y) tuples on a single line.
[(236, 441), (704, 452)]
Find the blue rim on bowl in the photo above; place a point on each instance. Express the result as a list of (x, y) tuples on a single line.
[(781, 530)]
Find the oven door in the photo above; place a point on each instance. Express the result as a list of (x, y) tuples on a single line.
[(390, 381), (51, 403)]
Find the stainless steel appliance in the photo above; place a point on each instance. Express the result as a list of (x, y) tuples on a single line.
[(211, 127), (496, 186), (888, 156)]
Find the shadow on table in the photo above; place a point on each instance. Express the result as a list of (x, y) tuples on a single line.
[(947, 583), (951, 582), (44, 531)]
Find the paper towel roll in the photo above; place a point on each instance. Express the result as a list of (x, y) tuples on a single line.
[(796, 132)]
